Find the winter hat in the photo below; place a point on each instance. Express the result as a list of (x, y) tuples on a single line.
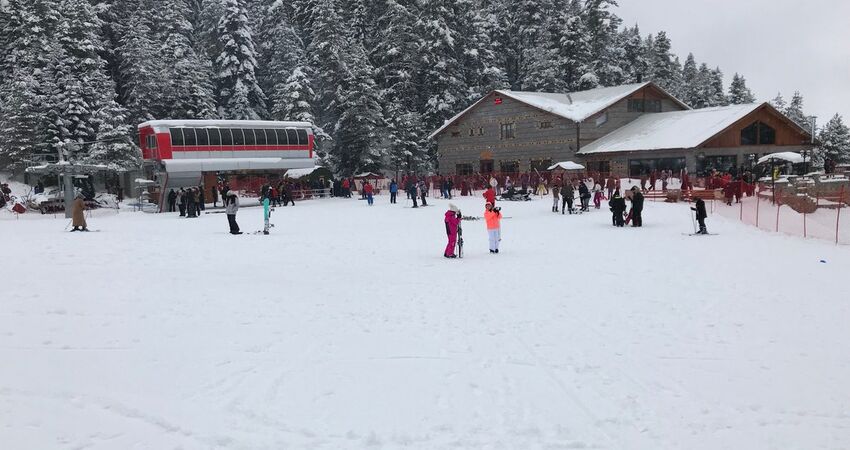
[(453, 207)]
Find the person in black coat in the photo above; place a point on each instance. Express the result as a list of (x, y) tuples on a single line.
[(172, 199), (584, 196), (618, 208), (701, 215), (637, 207)]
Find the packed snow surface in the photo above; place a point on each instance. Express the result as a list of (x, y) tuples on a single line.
[(346, 328)]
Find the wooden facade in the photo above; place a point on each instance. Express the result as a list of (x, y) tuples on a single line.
[(475, 139), (503, 134)]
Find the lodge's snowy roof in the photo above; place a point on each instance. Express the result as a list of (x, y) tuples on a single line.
[(224, 124), (575, 106), (670, 130)]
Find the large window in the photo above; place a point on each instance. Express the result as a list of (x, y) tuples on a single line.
[(507, 131), (249, 136), (509, 166), (292, 136), (151, 141), (540, 165), (463, 169), (302, 137), (176, 136), (638, 167), (226, 137), (189, 137), (271, 137), (758, 134), (238, 137), (281, 136), (486, 166), (215, 137), (719, 163), (261, 137), (641, 105), (203, 137)]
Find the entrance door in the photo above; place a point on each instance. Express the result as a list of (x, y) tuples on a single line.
[(487, 166)]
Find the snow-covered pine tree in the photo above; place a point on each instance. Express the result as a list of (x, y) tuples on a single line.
[(517, 40), (441, 71), (661, 63), (779, 102), (396, 58), (188, 86), (794, 111), (634, 62), (357, 145), (606, 55), (239, 94), (114, 146), (717, 93), (141, 70), (690, 91), (483, 73), (739, 93), (834, 140), (565, 65), (326, 58)]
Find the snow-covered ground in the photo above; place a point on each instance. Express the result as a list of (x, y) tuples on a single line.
[(346, 329)]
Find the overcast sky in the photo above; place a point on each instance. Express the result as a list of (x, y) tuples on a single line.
[(778, 45)]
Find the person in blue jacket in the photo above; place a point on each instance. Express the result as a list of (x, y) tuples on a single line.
[(266, 213), (393, 191)]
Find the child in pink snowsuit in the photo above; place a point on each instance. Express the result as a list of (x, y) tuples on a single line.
[(452, 221)]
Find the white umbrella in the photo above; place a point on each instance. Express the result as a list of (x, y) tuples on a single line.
[(567, 165), (791, 157)]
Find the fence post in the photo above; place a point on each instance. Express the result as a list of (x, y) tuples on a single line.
[(838, 214), (778, 205), (741, 218), (758, 207)]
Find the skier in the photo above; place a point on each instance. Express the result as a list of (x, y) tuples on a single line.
[(556, 197), (267, 213), (493, 217), (490, 195), (567, 194), (346, 188), (423, 192), (78, 215), (411, 192), (231, 206), (449, 186), (701, 215), (393, 191), (637, 207), (618, 207), (368, 190), (610, 185), (452, 221)]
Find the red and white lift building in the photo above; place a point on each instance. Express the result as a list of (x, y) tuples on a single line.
[(182, 153)]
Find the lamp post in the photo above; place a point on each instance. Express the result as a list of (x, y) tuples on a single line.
[(814, 129)]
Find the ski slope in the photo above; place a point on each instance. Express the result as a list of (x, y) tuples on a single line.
[(347, 329)]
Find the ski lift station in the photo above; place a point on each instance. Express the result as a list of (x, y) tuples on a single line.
[(183, 153)]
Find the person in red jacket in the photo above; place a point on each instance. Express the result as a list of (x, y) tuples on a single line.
[(452, 221), (368, 190), (490, 195), (346, 188)]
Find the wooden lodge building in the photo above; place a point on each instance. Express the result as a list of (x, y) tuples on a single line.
[(624, 130)]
